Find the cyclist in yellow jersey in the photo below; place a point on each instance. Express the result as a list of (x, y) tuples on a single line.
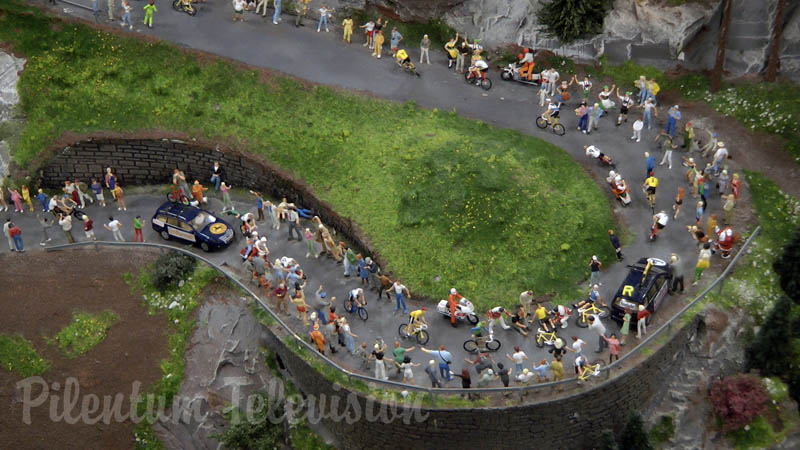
[(402, 58), (416, 319)]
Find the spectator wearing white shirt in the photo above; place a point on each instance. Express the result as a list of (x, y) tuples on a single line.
[(114, 227)]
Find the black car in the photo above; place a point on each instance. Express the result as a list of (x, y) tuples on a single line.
[(194, 225), (646, 284)]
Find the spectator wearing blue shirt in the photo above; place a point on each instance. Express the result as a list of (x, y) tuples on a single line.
[(650, 162), (42, 197), (674, 115), (444, 359)]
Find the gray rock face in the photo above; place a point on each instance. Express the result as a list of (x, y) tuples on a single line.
[(790, 46), (10, 66), (749, 35)]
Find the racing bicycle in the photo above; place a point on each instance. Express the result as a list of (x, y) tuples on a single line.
[(587, 311), (544, 337), (485, 84), (590, 370), (175, 195), (351, 307), (491, 344), (419, 331), (543, 122)]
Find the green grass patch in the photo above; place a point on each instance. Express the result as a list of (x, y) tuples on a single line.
[(84, 332), (758, 434), (754, 284), (18, 356), (177, 304), (663, 430), (448, 201)]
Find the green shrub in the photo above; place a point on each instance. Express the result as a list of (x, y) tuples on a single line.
[(570, 20), (756, 435), (84, 332), (18, 356), (663, 430), (170, 268), (260, 433)]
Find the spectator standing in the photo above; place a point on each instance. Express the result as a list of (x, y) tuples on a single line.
[(120, 196), (396, 38), (126, 16), (688, 136), (16, 236), (444, 359), (638, 125), (262, 4), (424, 48), (624, 330), (503, 373), (736, 185), (149, 10), (722, 182), (318, 339), (583, 116), (431, 371), (673, 116), (97, 190), (227, 204), (595, 112), (641, 321), (6, 228), (293, 221), (648, 111), (677, 274), (137, 229), (380, 366), (557, 368), (110, 5), (577, 345), (613, 347), (615, 243), (711, 225), (377, 42), (65, 220), (594, 268), (323, 18), (399, 291), (238, 10), (678, 202), (259, 205), (216, 175), (16, 198), (347, 26), (463, 54), (641, 84), (276, 16), (300, 10), (198, 192), (115, 227), (3, 204), (88, 228), (42, 197), (519, 357), (46, 224), (369, 31), (350, 262), (728, 206), (26, 196), (466, 381), (719, 157), (598, 328)]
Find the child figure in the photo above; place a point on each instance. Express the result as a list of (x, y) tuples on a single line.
[(149, 9), (26, 195), (347, 24)]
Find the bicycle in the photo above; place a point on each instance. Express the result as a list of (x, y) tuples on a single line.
[(420, 332), (472, 345), (176, 195), (180, 6), (351, 307), (543, 123), (590, 370), (586, 312), (485, 84), (544, 337), (409, 67)]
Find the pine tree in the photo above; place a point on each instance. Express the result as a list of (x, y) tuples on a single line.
[(634, 436), (788, 268), (771, 350), (608, 441), (569, 20)]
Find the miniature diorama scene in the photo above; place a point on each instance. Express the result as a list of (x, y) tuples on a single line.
[(367, 224)]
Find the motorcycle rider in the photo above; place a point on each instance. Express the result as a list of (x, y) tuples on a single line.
[(527, 64), (452, 302)]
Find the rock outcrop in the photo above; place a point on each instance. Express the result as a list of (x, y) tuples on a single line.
[(10, 66)]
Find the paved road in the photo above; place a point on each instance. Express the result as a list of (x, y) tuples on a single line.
[(323, 58)]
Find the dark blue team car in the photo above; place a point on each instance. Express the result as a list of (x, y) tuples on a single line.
[(646, 284), (193, 225)]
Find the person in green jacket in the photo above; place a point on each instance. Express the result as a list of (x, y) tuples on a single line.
[(149, 9), (137, 229)]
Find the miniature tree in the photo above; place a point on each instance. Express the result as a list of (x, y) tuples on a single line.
[(634, 436), (788, 268), (738, 399), (608, 441), (569, 20)]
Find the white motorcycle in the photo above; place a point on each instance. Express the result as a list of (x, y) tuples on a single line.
[(511, 73), (464, 311)]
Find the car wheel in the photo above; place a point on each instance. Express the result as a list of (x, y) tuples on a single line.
[(164, 235), (205, 247)]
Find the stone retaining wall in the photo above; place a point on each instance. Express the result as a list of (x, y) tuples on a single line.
[(573, 422), (152, 161)]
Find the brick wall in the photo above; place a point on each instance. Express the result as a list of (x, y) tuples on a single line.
[(151, 162)]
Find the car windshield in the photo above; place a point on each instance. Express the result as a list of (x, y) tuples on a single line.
[(202, 219), (626, 303)]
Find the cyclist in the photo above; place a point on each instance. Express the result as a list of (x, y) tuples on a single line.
[(357, 299), (542, 318), (595, 152), (416, 319), (659, 222), (594, 296), (649, 186), (480, 332), (580, 364), (402, 58), (478, 69), (552, 112)]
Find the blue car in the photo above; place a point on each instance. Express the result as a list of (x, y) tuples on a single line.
[(193, 225), (646, 284)]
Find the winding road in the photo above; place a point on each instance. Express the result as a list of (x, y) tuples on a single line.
[(324, 58)]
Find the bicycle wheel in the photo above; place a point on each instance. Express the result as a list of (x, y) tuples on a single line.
[(486, 84), (402, 330), (559, 129), (467, 78), (471, 346), (173, 197), (582, 320), (541, 122), (191, 10), (362, 313), (604, 312), (539, 341), (176, 5), (493, 346), (422, 337), (348, 305)]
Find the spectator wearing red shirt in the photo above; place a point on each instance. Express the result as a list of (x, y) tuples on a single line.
[(16, 234), (641, 321), (613, 347)]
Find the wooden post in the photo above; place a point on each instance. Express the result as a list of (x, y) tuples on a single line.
[(777, 31), (719, 65)]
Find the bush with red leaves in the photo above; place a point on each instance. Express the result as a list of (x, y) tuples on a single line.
[(738, 399)]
